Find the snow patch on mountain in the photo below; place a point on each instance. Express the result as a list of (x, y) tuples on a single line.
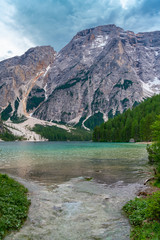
[(100, 41), (151, 88)]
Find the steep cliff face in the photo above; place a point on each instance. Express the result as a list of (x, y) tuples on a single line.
[(101, 72), (19, 75), (103, 69)]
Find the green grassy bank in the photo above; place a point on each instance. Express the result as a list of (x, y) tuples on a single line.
[(14, 205), (144, 216), (144, 211)]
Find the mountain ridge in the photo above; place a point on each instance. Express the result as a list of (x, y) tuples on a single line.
[(103, 69)]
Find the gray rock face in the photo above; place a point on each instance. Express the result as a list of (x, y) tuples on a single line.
[(19, 75), (103, 69)]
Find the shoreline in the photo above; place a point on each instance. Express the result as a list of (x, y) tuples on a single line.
[(143, 211), (143, 142), (66, 203)]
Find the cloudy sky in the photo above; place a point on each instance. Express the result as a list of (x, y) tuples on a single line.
[(25, 24)]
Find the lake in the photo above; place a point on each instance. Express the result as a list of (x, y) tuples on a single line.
[(77, 189)]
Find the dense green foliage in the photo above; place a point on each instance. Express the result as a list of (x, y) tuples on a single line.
[(33, 102), (6, 113), (13, 205), (79, 124), (144, 215), (94, 120), (8, 136), (135, 123), (125, 84), (82, 77), (17, 119), (53, 133), (16, 104), (154, 149)]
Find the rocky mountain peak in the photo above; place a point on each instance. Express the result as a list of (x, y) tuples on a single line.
[(103, 69), (101, 72), (98, 30), (41, 54)]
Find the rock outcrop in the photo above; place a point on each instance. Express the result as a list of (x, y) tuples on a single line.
[(19, 75)]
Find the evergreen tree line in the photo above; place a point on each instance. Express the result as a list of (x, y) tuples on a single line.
[(53, 133), (135, 123), (6, 135)]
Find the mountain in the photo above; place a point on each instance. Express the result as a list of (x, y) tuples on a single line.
[(102, 72), (103, 69)]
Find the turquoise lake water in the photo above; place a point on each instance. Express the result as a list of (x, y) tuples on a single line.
[(60, 161), (64, 205)]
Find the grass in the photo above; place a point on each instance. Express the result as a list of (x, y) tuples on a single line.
[(14, 205), (144, 216), (156, 184)]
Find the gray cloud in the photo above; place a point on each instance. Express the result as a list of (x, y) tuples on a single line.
[(55, 22)]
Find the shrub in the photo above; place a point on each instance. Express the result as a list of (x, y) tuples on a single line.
[(13, 205), (144, 215)]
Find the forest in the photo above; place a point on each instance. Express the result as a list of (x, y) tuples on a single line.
[(53, 133), (134, 123)]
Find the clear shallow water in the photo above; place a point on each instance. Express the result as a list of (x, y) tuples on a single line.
[(65, 205), (56, 162)]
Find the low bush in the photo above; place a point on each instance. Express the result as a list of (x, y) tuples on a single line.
[(8, 136), (144, 215), (14, 205)]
